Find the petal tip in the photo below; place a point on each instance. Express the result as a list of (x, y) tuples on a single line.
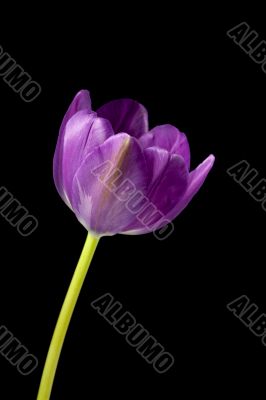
[(210, 161)]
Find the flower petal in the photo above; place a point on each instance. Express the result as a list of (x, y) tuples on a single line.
[(101, 186), (168, 188), (157, 160), (126, 115), (171, 185), (80, 102), (181, 147), (196, 180), (82, 133), (167, 137)]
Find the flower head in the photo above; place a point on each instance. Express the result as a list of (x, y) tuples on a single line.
[(117, 175)]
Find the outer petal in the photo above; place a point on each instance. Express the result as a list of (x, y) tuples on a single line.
[(157, 161), (195, 181), (98, 201), (170, 179), (82, 133), (168, 137), (181, 147), (81, 101), (126, 115)]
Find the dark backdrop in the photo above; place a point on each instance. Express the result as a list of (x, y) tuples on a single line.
[(183, 67)]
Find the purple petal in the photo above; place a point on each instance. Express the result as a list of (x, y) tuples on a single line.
[(82, 133), (171, 185), (196, 180), (98, 199), (181, 147), (126, 115), (157, 160), (170, 179), (80, 102), (167, 137)]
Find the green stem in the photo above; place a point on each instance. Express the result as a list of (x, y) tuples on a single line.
[(65, 316)]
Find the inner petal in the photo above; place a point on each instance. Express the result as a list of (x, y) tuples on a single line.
[(126, 115)]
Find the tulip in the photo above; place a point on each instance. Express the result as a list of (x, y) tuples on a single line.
[(156, 162), (107, 164)]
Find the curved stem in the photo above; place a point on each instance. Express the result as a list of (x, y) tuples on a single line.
[(65, 316)]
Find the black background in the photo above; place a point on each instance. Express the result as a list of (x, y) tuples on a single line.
[(183, 67)]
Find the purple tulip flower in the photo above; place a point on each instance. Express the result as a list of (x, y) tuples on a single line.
[(118, 177), (115, 173)]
